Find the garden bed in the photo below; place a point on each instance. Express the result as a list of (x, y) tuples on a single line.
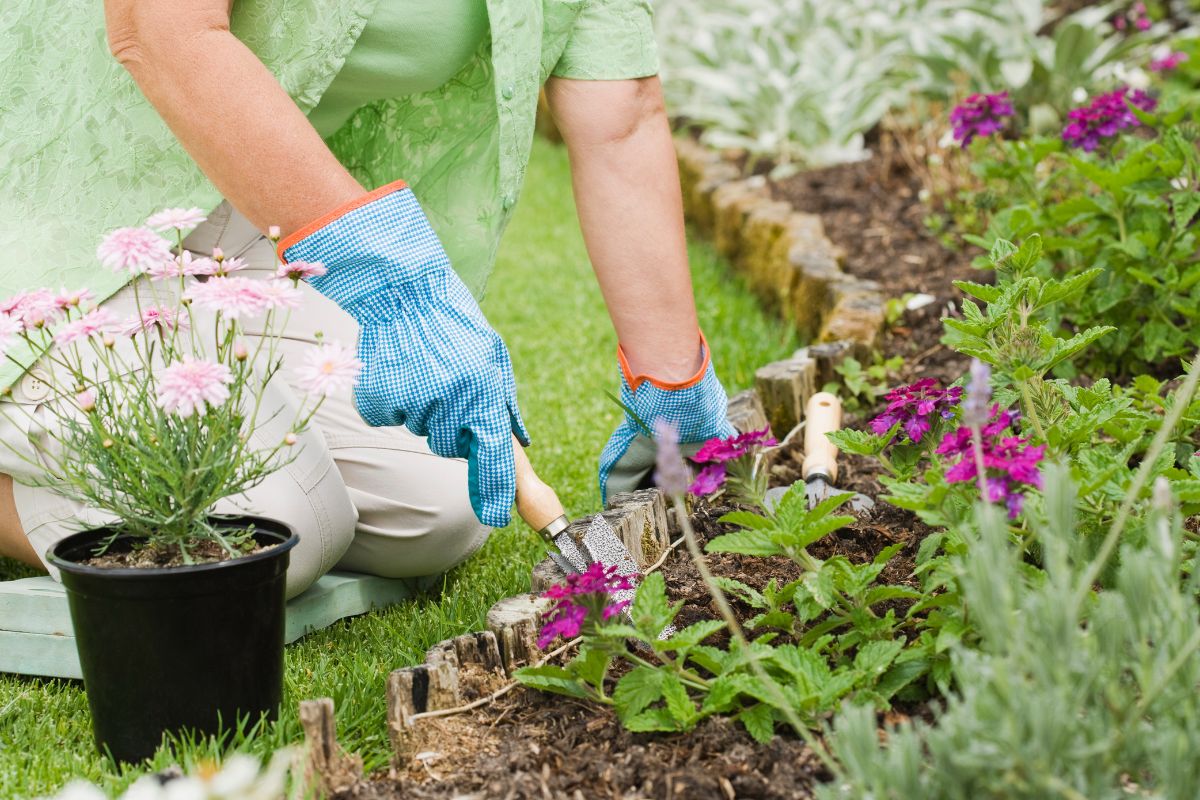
[(873, 214), (530, 744)]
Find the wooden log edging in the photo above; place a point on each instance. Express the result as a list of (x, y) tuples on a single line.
[(784, 253)]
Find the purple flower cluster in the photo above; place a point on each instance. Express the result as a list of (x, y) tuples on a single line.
[(581, 595), (1137, 15), (717, 452), (915, 406), (1104, 116), (980, 115), (1168, 62), (1010, 462)]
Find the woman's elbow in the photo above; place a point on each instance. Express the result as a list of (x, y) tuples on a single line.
[(140, 34)]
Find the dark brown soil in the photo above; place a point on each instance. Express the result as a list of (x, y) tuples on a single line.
[(872, 211), (158, 556)]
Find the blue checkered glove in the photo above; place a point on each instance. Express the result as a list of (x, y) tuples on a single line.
[(697, 407), (430, 360)]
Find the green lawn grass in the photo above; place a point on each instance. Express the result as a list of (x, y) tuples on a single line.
[(545, 303)]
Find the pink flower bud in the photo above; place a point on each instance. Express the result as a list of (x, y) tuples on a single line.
[(240, 352), (273, 233), (218, 254), (86, 400), (109, 341), (290, 439)]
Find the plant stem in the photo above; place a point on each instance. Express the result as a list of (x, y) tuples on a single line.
[(1027, 397)]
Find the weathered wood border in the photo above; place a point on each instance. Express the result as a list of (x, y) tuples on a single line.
[(783, 253)]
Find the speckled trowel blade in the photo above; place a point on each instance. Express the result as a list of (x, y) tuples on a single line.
[(603, 543), (569, 552)]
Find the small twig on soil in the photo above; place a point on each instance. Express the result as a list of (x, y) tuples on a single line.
[(508, 687)]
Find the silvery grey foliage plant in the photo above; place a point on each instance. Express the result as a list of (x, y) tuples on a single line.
[(1071, 693)]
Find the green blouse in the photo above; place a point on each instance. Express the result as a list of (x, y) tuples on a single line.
[(82, 151)]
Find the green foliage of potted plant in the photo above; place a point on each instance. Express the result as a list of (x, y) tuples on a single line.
[(178, 613)]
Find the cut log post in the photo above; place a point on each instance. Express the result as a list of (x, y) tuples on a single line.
[(328, 769), (443, 689), (545, 575), (480, 649), (406, 690), (515, 622), (784, 387), (746, 412)]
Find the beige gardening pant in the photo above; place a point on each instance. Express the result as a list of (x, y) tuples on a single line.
[(363, 499)]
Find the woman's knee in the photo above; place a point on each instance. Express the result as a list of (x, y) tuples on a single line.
[(414, 515)]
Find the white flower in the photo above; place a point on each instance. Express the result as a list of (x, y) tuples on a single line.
[(237, 776)]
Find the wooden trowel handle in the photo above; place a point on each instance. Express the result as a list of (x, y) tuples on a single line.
[(537, 503), (822, 415)]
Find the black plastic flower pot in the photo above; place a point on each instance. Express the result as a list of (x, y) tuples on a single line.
[(177, 649)]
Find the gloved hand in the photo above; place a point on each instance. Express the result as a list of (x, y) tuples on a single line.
[(431, 361), (697, 407)]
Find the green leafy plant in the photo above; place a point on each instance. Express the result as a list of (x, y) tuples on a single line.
[(861, 385), (1125, 211)]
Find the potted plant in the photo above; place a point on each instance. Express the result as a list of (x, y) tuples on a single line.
[(178, 613)]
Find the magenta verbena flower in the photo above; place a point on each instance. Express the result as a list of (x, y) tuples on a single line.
[(1104, 117), (1168, 62), (583, 596), (980, 115), (1011, 464), (710, 479), (719, 450), (915, 407)]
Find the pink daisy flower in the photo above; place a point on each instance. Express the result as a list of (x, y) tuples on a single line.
[(96, 322), (86, 400), (33, 309), (67, 299), (186, 264), (176, 219), (10, 328), (300, 270), (156, 317), (134, 250), (224, 266), (233, 297), (328, 370), (191, 386), (281, 294)]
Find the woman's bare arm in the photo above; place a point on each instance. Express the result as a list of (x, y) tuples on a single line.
[(228, 110), (627, 190)]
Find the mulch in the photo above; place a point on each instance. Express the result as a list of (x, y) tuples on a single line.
[(533, 745)]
